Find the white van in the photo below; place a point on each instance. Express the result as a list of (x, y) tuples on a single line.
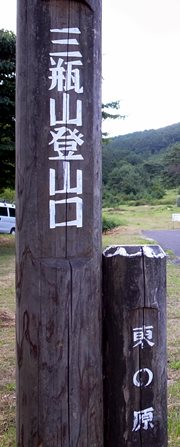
[(7, 217)]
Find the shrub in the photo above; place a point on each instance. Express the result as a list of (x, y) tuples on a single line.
[(178, 200), (108, 223), (8, 195)]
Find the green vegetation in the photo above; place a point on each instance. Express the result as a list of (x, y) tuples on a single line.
[(7, 341), (8, 194), (171, 172), (108, 110), (174, 414), (111, 221), (141, 166), (7, 109), (175, 364)]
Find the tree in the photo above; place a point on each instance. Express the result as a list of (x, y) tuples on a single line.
[(115, 105), (108, 113), (171, 175), (7, 108), (125, 179)]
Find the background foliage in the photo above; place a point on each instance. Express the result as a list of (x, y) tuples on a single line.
[(141, 166), (7, 108)]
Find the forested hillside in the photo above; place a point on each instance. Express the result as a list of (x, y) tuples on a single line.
[(141, 165)]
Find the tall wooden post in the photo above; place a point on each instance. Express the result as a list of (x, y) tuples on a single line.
[(58, 239), (135, 381)]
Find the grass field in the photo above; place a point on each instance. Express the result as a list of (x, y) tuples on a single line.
[(7, 341), (131, 220)]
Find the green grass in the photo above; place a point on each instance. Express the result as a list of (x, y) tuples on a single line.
[(169, 198), (175, 364), (174, 414), (9, 436), (144, 217), (174, 427), (7, 341)]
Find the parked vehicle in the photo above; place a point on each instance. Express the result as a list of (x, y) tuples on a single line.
[(7, 217)]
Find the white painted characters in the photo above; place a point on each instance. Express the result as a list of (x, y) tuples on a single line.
[(143, 419), (142, 338), (67, 42), (67, 140), (65, 112), (143, 377), (65, 77), (77, 222), (67, 188), (141, 335)]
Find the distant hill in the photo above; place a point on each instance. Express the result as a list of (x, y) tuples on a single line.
[(147, 142), (141, 155)]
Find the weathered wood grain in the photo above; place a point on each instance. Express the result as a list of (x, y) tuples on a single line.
[(134, 297), (58, 271)]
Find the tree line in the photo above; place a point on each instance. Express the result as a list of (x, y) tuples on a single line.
[(138, 166), (7, 109), (141, 166)]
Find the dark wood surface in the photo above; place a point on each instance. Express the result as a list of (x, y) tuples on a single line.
[(58, 270), (134, 297)]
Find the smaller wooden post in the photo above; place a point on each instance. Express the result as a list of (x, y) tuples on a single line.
[(134, 343)]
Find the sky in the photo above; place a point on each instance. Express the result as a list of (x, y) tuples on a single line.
[(140, 60)]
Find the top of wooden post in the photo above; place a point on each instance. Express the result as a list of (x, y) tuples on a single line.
[(150, 251)]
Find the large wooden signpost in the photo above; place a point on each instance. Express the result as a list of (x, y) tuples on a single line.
[(58, 173)]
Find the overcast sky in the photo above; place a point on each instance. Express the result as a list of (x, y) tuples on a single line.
[(141, 60)]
